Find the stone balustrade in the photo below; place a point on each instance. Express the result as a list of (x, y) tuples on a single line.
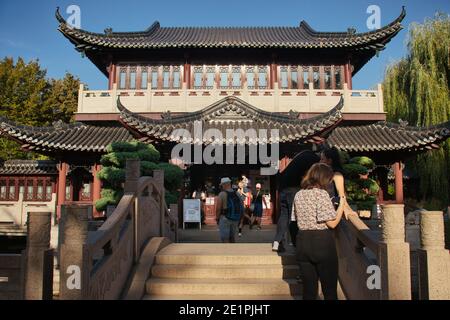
[(189, 100), (434, 259)]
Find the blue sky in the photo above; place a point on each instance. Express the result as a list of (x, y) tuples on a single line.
[(29, 28)]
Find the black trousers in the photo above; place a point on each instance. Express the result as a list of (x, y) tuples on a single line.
[(317, 258)]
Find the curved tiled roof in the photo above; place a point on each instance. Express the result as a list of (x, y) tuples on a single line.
[(384, 136), (232, 113), (64, 137), (302, 36), (28, 167)]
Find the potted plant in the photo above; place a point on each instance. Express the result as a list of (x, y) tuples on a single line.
[(360, 188)]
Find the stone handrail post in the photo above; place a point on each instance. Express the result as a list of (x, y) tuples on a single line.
[(38, 273), (158, 175), (394, 255), (132, 175), (74, 232), (174, 215), (434, 260)]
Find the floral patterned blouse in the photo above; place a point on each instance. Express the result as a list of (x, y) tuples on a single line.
[(312, 208)]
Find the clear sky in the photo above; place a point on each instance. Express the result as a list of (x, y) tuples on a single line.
[(29, 28)]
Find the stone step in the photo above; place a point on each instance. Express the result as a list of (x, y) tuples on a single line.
[(224, 287), (179, 271), (221, 297), (222, 254)]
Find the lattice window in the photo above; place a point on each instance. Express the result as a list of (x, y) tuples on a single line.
[(284, 81), (236, 77), (132, 85), (223, 77), (338, 77), (262, 77), (154, 77), (305, 71), (327, 77), (294, 78), (198, 77), (250, 74), (144, 77), (29, 194), (176, 75), (3, 190), (316, 78), (166, 77), (48, 190), (40, 190), (210, 77), (123, 78)]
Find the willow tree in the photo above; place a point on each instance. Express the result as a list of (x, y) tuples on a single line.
[(416, 89)]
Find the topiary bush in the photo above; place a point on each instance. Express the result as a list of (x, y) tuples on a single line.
[(360, 189), (113, 172)]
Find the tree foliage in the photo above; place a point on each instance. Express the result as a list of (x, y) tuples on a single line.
[(113, 172), (29, 98), (416, 89)]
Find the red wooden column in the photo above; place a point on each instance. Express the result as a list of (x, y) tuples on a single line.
[(398, 173), (61, 191), (96, 189), (112, 75), (348, 75), (187, 75)]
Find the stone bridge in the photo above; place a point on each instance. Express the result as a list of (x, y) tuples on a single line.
[(135, 254)]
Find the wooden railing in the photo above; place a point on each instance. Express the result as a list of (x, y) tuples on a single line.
[(109, 253)]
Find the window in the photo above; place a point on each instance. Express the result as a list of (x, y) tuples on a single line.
[(284, 78), (133, 78), (144, 78), (198, 75), (3, 189), (122, 78), (210, 74), (29, 195), (316, 78), (154, 77), (166, 77), (327, 77), (40, 190), (224, 77), (262, 77), (48, 191), (32, 188), (294, 78), (337, 77), (305, 77), (250, 77), (176, 78), (236, 78)]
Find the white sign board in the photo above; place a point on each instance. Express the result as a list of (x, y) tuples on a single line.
[(191, 211)]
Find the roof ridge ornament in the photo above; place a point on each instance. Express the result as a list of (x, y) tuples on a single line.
[(108, 31), (166, 115), (402, 123), (293, 114), (351, 30)]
